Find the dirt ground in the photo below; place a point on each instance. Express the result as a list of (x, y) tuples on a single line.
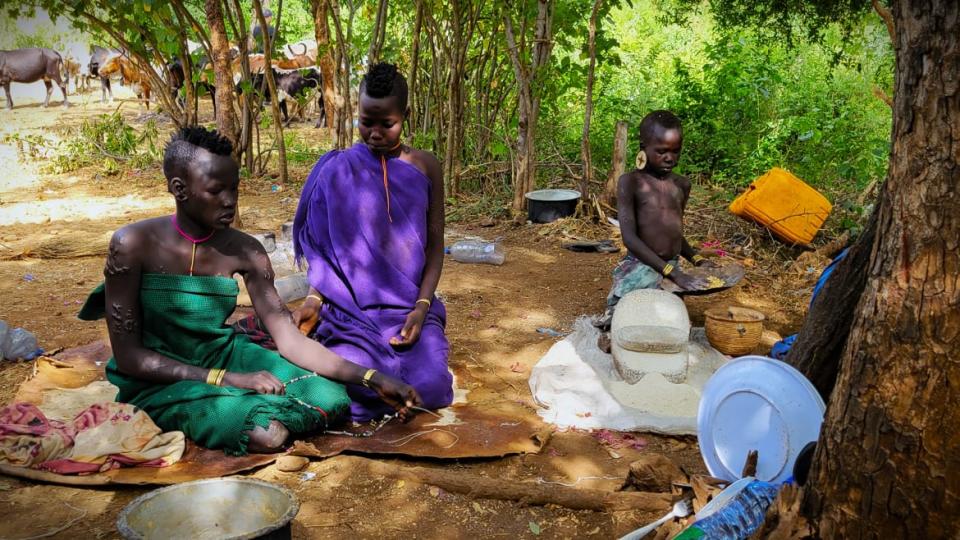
[(493, 316)]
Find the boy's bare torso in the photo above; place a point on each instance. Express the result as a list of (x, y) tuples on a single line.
[(659, 204)]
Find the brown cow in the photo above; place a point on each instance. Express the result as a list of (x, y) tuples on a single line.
[(282, 64), (32, 65), (130, 74)]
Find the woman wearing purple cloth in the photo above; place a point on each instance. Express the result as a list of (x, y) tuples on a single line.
[(370, 226)]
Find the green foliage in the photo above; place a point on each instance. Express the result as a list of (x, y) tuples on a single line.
[(105, 142), (747, 103)]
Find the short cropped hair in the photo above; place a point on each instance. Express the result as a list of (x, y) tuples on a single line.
[(183, 145), (663, 119), (383, 80)]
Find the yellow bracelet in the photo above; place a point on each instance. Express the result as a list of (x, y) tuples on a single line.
[(223, 373), (368, 376), (667, 268), (696, 259), (212, 376), (425, 301), (318, 298)]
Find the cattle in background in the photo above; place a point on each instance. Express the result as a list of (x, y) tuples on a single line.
[(98, 57), (130, 75), (32, 65), (306, 47), (291, 86), (71, 66), (177, 78), (257, 62)]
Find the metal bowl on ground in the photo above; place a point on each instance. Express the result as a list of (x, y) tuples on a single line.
[(548, 205), (219, 508)]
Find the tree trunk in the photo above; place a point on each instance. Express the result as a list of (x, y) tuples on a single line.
[(525, 167), (824, 334), (379, 34), (414, 68), (887, 464), (343, 108), (238, 25), (324, 57), (272, 85), (222, 74), (618, 166), (587, 176)]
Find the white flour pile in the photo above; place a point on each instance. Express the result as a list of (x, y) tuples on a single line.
[(576, 385)]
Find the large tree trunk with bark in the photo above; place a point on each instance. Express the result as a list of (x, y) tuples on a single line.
[(820, 343), (324, 57), (222, 75), (887, 464)]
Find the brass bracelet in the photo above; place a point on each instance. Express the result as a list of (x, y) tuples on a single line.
[(667, 268), (318, 298), (425, 301), (368, 376), (223, 373), (697, 258), (212, 376)]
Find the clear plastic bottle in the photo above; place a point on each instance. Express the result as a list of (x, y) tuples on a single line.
[(292, 287), (477, 251), (739, 518)]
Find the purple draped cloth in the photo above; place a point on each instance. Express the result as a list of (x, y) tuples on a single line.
[(369, 270)]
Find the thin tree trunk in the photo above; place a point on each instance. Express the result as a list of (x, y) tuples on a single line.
[(587, 176), (325, 61), (379, 33), (222, 74), (525, 168), (239, 27), (343, 108), (618, 166), (272, 85), (414, 67), (887, 464)]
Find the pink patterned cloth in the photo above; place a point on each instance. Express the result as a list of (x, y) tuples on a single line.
[(102, 437)]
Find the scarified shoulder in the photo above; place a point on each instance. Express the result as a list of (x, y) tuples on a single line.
[(127, 245), (250, 251)]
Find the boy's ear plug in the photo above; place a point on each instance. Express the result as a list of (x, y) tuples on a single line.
[(641, 161)]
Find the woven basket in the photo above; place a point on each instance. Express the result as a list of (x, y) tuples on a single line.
[(734, 330)]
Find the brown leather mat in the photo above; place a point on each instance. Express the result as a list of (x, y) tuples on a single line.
[(477, 430), (466, 430)]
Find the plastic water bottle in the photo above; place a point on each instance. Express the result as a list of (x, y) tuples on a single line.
[(739, 518), (477, 251), (18, 344), (282, 259), (292, 287)]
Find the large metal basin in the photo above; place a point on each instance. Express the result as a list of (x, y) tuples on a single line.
[(220, 508)]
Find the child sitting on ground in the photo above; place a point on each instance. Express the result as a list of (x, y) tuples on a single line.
[(167, 294), (650, 203)]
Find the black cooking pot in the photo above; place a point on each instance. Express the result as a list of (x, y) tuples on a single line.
[(546, 205)]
